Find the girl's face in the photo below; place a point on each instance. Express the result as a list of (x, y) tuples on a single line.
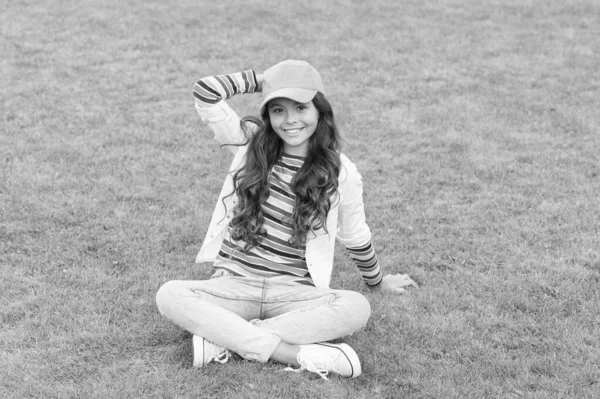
[(294, 122)]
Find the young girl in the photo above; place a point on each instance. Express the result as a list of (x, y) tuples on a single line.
[(288, 194)]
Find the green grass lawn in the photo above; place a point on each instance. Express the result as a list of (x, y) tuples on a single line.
[(475, 125)]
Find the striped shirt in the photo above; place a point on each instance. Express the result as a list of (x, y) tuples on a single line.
[(275, 257)]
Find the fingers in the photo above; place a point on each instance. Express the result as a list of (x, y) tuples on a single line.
[(409, 281), (406, 281), (394, 290), (397, 283)]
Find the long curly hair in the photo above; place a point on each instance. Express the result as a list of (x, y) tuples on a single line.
[(315, 184)]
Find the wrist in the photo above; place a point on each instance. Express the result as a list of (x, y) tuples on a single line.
[(259, 81)]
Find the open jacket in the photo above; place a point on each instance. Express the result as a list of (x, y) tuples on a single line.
[(345, 220)]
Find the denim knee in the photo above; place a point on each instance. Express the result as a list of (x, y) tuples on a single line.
[(357, 310), (166, 295)]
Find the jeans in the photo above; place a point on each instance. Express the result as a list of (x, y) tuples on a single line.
[(251, 316)]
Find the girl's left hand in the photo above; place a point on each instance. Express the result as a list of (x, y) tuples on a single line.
[(396, 283)]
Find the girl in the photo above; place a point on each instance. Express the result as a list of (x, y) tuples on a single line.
[(288, 194)]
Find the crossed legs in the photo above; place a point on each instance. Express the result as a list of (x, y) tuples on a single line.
[(260, 319)]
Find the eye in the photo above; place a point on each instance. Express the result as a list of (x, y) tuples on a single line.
[(276, 110), (302, 107)]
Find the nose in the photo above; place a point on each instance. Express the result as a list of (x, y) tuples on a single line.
[(292, 118)]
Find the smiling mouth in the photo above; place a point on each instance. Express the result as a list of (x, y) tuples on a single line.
[(293, 131)]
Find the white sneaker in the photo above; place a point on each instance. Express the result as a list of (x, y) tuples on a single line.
[(323, 358), (205, 352)]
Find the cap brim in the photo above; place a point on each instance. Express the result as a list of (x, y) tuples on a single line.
[(298, 95)]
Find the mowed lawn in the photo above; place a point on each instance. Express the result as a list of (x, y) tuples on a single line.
[(475, 125)]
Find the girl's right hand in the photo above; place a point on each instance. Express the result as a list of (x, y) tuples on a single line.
[(259, 80)]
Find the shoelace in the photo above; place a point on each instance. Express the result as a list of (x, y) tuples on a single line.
[(222, 357), (310, 366)]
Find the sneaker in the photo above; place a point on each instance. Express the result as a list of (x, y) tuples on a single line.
[(324, 358), (205, 352)]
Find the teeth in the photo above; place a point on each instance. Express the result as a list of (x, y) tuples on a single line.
[(293, 130)]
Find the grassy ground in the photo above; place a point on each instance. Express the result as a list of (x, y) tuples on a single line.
[(475, 127)]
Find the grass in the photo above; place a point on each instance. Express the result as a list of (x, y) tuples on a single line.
[(474, 125)]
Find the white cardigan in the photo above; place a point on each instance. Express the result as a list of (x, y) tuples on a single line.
[(346, 217)]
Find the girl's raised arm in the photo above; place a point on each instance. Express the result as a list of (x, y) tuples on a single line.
[(210, 90), (210, 94)]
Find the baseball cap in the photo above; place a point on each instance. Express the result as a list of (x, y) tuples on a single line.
[(293, 79)]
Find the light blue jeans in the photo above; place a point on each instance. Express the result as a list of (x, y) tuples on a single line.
[(250, 316)]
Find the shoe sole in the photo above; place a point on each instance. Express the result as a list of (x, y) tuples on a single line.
[(350, 355), (198, 346)]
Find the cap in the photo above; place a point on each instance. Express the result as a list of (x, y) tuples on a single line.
[(296, 80)]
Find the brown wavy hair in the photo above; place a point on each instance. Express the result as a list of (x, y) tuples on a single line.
[(314, 185)]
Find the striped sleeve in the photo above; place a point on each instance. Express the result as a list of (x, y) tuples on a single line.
[(212, 89), (366, 260)]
